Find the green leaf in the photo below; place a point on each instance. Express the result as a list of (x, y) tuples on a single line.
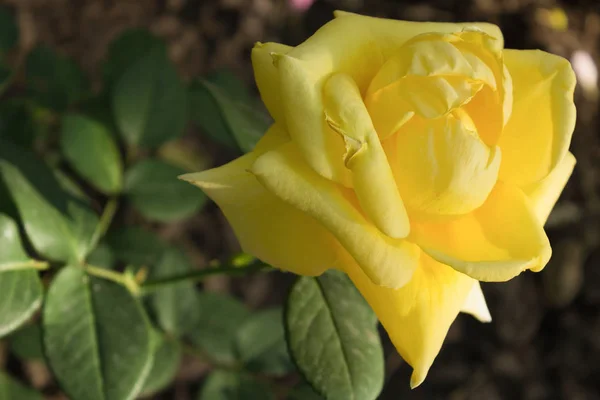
[(16, 123), (219, 317), (9, 31), (26, 343), (332, 338), (54, 80), (96, 337), (261, 343), (6, 78), (230, 385), (136, 246), (175, 306), (149, 101), (227, 117), (20, 289), (125, 50), (102, 256), (303, 391), (166, 360), (154, 190), (11, 389), (20, 296), (59, 226), (92, 152)]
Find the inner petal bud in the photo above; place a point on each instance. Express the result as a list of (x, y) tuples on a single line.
[(441, 166), (429, 77)]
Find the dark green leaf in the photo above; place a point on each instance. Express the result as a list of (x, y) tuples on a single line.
[(125, 50), (20, 296), (166, 360), (54, 80), (11, 389), (17, 123), (20, 289), (92, 152), (68, 184), (261, 343), (303, 391), (26, 343), (227, 117), (9, 31), (96, 337), (175, 306), (149, 101), (154, 190), (5, 78), (230, 385), (59, 226), (333, 339), (219, 317), (102, 256), (136, 246)]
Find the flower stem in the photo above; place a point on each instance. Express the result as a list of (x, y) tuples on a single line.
[(24, 265), (105, 220), (197, 276), (125, 280)]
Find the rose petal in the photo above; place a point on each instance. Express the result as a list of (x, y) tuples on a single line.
[(418, 315), (544, 194), (267, 77), (266, 227), (475, 304), (386, 261), (494, 243), (372, 176), (538, 134)]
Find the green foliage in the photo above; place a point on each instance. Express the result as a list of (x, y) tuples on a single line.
[(261, 343), (174, 305), (106, 326), (135, 246), (26, 343), (20, 288), (11, 389), (219, 317), (92, 152), (303, 391), (165, 363), (333, 338), (54, 80), (154, 190), (131, 46), (222, 107), (229, 385), (9, 31), (92, 281), (17, 123), (150, 101), (58, 226)]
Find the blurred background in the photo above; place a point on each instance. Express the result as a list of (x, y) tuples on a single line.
[(544, 342)]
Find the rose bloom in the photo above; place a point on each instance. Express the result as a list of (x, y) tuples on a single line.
[(418, 158)]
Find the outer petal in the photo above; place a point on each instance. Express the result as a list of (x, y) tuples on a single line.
[(475, 304), (418, 315), (351, 44), (386, 261), (267, 77), (267, 227), (539, 131), (544, 194), (495, 243)]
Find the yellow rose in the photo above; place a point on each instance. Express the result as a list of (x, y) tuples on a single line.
[(419, 158)]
